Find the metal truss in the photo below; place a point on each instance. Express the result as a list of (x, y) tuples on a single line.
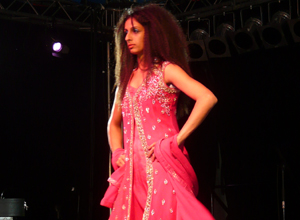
[(218, 7), (60, 13), (189, 5), (87, 17)]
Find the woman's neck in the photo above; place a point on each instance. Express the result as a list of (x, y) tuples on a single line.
[(141, 62)]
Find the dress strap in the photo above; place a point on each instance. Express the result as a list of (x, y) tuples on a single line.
[(163, 66)]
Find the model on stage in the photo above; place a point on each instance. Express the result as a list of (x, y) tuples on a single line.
[(153, 178)]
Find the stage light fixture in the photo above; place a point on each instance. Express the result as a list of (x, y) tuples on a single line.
[(217, 46), (247, 38), (297, 27), (199, 34), (197, 51), (294, 27), (244, 39), (59, 49), (198, 30), (273, 35)]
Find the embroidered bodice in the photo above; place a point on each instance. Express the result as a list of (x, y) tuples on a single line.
[(152, 109)]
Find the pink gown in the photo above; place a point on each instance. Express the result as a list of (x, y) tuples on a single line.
[(165, 189)]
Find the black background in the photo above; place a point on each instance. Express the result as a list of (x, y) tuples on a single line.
[(46, 126)]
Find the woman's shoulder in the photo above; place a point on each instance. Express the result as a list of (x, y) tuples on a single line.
[(166, 65), (171, 68), (174, 74)]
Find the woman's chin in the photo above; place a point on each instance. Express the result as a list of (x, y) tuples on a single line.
[(135, 52)]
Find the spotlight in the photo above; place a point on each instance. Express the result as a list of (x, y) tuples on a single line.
[(197, 51), (217, 46), (198, 30), (58, 49), (273, 34), (247, 39), (244, 39), (294, 26), (199, 34)]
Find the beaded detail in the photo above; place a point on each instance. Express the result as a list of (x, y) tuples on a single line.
[(155, 88)]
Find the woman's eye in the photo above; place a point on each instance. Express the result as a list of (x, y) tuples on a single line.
[(125, 32), (135, 30)]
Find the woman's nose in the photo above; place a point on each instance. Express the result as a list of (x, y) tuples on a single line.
[(127, 37)]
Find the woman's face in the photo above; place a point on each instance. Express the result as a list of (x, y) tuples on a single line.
[(134, 36)]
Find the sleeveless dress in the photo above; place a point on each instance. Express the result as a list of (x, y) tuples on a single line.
[(166, 188)]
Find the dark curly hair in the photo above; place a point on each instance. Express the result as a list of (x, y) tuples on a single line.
[(164, 39)]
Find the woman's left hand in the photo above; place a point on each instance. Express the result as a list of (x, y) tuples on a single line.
[(150, 153)]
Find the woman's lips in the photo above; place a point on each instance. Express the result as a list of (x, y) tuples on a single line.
[(130, 46)]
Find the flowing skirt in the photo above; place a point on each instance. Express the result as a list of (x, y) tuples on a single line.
[(172, 193)]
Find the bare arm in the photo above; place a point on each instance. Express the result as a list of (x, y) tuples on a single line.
[(204, 98), (114, 131)]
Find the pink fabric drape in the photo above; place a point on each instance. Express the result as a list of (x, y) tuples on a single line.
[(174, 160), (173, 165)]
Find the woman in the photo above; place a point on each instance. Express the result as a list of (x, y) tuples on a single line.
[(153, 178)]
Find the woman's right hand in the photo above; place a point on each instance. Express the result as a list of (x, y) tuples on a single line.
[(121, 160), (150, 152), (118, 158)]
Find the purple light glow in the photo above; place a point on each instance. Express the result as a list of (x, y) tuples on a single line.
[(57, 47)]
